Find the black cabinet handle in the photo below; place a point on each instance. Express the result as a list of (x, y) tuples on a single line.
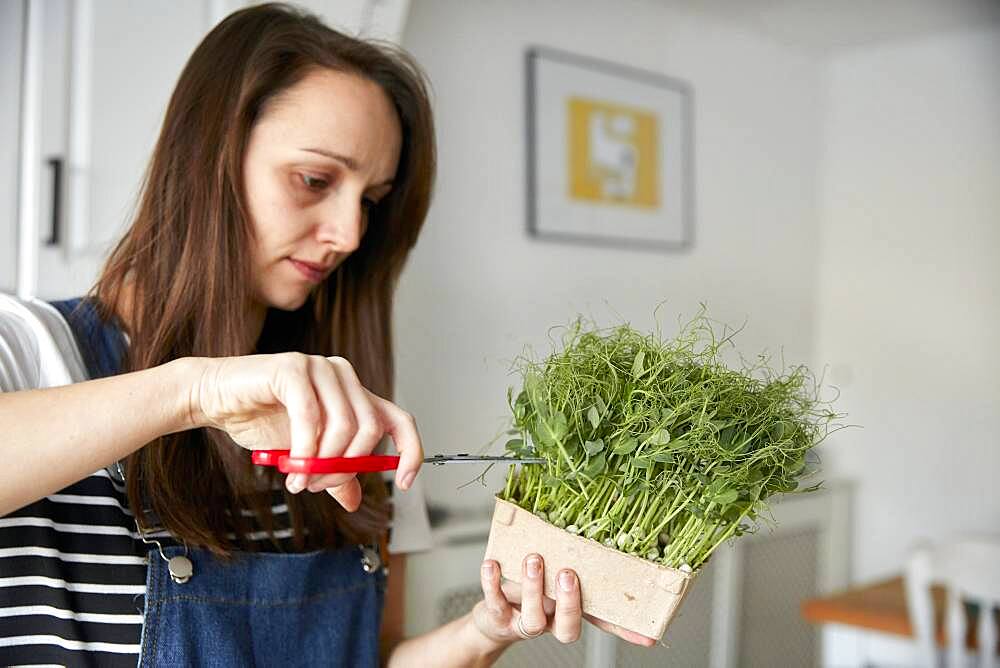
[(57, 169)]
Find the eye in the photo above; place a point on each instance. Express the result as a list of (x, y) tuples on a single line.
[(314, 183), (368, 205)]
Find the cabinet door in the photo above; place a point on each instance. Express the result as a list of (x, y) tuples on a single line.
[(12, 16), (108, 70)]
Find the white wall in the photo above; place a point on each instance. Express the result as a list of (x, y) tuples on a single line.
[(477, 288), (11, 22), (908, 309)]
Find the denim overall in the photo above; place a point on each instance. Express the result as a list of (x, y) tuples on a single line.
[(259, 608)]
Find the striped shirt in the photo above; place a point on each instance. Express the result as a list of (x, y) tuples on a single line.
[(73, 575), (72, 566)]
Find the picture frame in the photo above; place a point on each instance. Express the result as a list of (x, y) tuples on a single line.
[(609, 152)]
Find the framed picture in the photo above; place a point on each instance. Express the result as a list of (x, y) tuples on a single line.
[(609, 153)]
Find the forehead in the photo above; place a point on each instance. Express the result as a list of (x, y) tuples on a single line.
[(342, 113)]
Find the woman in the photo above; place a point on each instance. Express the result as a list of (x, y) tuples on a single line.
[(248, 303)]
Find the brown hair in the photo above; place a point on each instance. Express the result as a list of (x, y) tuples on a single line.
[(184, 259)]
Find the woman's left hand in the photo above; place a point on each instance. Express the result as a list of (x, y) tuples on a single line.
[(511, 611)]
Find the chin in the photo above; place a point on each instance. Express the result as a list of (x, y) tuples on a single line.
[(292, 301)]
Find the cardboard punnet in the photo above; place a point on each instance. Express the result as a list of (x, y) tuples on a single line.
[(620, 588)]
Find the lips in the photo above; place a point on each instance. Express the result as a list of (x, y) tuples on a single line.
[(314, 273)]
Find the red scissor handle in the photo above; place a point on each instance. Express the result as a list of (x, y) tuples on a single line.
[(286, 464), (267, 457)]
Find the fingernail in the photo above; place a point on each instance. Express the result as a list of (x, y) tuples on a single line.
[(566, 581), (294, 483), (488, 569), (534, 566), (408, 479)]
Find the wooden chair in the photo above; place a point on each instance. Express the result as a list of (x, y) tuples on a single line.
[(969, 569)]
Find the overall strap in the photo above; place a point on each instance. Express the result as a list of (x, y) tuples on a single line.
[(101, 343)]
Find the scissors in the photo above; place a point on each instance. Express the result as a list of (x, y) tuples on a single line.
[(369, 463)]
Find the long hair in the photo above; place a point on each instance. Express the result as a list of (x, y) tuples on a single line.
[(185, 262)]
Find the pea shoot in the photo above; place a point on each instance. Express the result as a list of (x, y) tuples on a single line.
[(655, 447)]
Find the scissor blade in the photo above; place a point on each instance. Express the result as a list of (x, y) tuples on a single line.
[(476, 459)]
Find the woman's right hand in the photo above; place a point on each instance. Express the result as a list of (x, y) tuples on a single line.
[(315, 406)]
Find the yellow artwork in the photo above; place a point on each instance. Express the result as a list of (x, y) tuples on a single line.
[(613, 154)]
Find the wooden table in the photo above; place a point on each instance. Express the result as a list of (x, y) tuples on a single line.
[(880, 607)]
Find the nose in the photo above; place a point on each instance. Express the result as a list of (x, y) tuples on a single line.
[(341, 223)]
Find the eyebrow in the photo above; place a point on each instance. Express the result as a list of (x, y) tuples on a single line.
[(346, 160)]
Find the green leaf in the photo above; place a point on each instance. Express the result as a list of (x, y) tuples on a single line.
[(594, 417), (593, 447), (552, 430), (664, 457), (515, 445), (602, 407), (642, 462), (559, 425), (716, 486), (667, 415), (725, 497), (625, 446), (733, 512), (596, 466), (677, 444), (660, 437), (777, 431), (542, 433), (637, 368)]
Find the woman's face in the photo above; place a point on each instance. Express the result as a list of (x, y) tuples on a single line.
[(321, 155)]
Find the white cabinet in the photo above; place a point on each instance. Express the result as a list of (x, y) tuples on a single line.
[(96, 77), (105, 92), (90, 95)]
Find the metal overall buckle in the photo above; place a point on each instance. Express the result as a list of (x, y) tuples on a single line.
[(180, 566), (371, 560)]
